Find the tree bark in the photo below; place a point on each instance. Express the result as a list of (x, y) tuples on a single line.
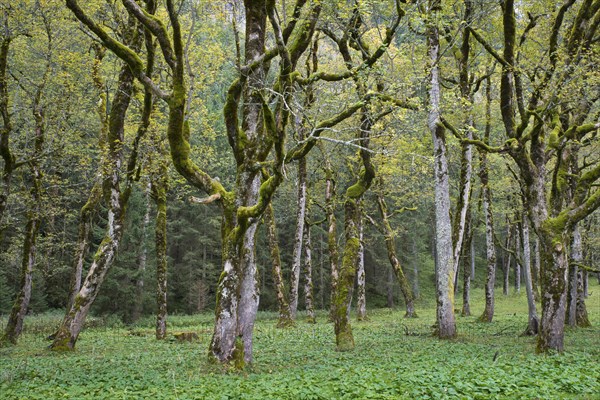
[(415, 264), (297, 251), (159, 194), (308, 282), (486, 198), (466, 308), (5, 152), (576, 310), (506, 269), (445, 321), (518, 258), (285, 318), (532, 320), (72, 324), (361, 295), (390, 244), (14, 326), (138, 305)]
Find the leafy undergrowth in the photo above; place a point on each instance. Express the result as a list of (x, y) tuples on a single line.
[(395, 358)]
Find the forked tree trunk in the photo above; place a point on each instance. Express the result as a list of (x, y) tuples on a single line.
[(95, 196), (533, 321), (445, 320), (72, 324), (308, 280), (285, 318)]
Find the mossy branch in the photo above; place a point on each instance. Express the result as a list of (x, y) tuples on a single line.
[(482, 145), (301, 149), (487, 46), (156, 26), (121, 50)]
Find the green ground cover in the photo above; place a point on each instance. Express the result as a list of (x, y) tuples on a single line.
[(395, 358)]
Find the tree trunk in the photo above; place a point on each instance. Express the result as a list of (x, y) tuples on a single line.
[(361, 298), (332, 246), (415, 263), (159, 194), (285, 318), (486, 198), (5, 152), (71, 326), (445, 324), (535, 272), (506, 270), (249, 291), (14, 326), (390, 288), (95, 196), (390, 245), (466, 308), (297, 252), (533, 321), (518, 258), (138, 305), (308, 283), (576, 310)]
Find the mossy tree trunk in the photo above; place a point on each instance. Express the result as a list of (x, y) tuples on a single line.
[(253, 138), (72, 324), (308, 276), (115, 197), (542, 144), (94, 199), (390, 244), (463, 208), (361, 292), (158, 188), (285, 318), (445, 321), (5, 131), (14, 325), (486, 199), (332, 245)]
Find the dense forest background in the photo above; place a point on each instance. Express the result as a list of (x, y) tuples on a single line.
[(57, 76)]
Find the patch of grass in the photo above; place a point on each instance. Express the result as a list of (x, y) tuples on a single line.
[(395, 358)]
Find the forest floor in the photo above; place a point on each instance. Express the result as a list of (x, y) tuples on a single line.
[(395, 358)]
